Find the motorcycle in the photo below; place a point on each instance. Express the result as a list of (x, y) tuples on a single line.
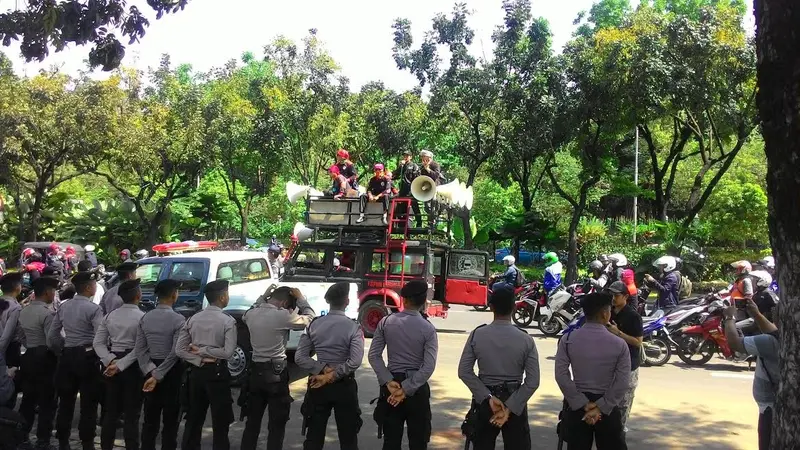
[(562, 306), (530, 300), (706, 339), (656, 342)]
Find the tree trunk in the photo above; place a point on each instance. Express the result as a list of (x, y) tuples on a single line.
[(245, 214), (35, 213), (572, 255), (777, 41), (20, 219), (515, 246)]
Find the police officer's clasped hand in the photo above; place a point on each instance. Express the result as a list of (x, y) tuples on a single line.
[(150, 385), (593, 414), (500, 412), (397, 393), (327, 376), (112, 369)]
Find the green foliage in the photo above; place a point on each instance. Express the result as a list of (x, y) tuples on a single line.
[(736, 213)]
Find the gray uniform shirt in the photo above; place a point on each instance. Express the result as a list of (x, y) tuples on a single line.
[(337, 341), (79, 317), (212, 331), (155, 339), (268, 325), (601, 364), (503, 353), (111, 300), (117, 331), (8, 324), (412, 346), (34, 321)]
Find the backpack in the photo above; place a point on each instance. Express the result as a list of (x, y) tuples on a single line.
[(520, 280), (685, 289)]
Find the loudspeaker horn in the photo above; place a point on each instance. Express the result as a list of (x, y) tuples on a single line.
[(423, 188), (469, 197), (449, 193), (301, 232), (295, 192)]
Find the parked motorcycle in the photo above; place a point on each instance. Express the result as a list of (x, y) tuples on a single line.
[(697, 344), (530, 300), (656, 343), (562, 306)]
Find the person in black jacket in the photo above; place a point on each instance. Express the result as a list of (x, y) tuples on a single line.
[(378, 190)]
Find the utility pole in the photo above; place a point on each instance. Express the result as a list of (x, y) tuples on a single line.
[(636, 183)]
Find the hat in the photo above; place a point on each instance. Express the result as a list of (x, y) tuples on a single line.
[(127, 286), (13, 277), (45, 282), (342, 153), (414, 288), (125, 252), (83, 277), (127, 267), (378, 166), (217, 286), (618, 287), (407, 152), (54, 248), (425, 153), (166, 286)]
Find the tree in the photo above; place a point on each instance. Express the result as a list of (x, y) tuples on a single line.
[(48, 125), (777, 41), (59, 23), (160, 152)]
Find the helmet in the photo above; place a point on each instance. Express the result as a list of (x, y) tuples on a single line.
[(89, 248), (141, 254), (666, 263), (762, 278), (28, 252), (425, 153), (125, 253), (595, 265), (377, 167), (603, 259), (336, 262), (334, 169), (768, 262), (550, 258), (342, 153), (742, 267), (54, 248), (618, 259), (509, 260)]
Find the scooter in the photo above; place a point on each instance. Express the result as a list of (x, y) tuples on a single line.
[(530, 300), (706, 339), (656, 342), (561, 308)]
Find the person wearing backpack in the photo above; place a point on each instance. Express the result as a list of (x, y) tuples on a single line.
[(668, 284), (767, 348), (510, 276)]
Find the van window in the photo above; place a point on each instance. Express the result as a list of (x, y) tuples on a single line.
[(310, 260), (468, 265), (414, 264), (190, 275), (243, 271), (148, 275)]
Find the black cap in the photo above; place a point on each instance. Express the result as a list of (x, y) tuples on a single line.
[(617, 287), (44, 283), (83, 277), (414, 288), (127, 267), (217, 286), (127, 286), (13, 277), (501, 294), (407, 152), (166, 286)]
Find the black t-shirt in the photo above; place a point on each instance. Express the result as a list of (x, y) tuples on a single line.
[(380, 185), (629, 322), (765, 300)]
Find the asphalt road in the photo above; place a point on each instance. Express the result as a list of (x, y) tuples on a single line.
[(676, 407)]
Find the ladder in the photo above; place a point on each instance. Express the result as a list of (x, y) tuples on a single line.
[(401, 220)]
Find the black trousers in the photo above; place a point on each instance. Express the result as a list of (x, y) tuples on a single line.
[(342, 398), (607, 434), (363, 199), (39, 391), (516, 432), (765, 429), (14, 359), (78, 372), (413, 412), (163, 405), (12, 429), (123, 396), (209, 386), (273, 397)]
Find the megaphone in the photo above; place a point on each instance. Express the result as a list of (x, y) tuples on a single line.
[(423, 188), (468, 197), (450, 193), (301, 232), (295, 192)]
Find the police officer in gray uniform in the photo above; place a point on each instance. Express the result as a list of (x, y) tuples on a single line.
[(11, 285), (339, 344), (206, 342), (155, 351), (503, 352), (412, 346), (39, 362), (78, 367), (111, 300), (268, 382), (114, 344)]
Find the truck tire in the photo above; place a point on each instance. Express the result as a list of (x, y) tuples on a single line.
[(370, 313)]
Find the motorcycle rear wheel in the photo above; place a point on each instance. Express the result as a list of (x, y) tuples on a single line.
[(480, 308), (656, 352), (691, 346), (549, 328), (522, 316)]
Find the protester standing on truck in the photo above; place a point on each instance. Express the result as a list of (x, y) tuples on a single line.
[(403, 176), (499, 396), (267, 385), (412, 347), (339, 345)]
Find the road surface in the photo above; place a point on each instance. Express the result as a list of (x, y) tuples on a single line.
[(676, 407)]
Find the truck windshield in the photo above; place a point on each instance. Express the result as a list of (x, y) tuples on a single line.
[(148, 275)]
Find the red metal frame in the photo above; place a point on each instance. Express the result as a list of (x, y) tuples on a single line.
[(392, 244)]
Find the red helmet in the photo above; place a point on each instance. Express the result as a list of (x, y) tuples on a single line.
[(70, 251), (342, 153), (334, 169), (378, 167), (54, 248), (28, 252), (126, 253)]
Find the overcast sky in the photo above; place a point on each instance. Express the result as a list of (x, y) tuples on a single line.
[(357, 33)]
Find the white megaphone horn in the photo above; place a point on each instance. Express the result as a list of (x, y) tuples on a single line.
[(423, 188), (295, 192), (301, 232), (449, 193), (469, 197)]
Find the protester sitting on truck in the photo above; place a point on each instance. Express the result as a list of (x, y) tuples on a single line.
[(346, 167), (378, 190), (341, 187)]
